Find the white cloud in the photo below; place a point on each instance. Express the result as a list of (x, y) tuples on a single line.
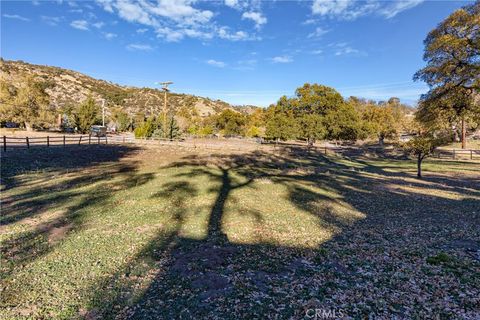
[(351, 9), (224, 33), (399, 6), (106, 4), (309, 21), (282, 59), (98, 25), (179, 11), (172, 35), (133, 12), (257, 17), (232, 3), (16, 17), (173, 20), (169, 34), (139, 47), (215, 63), (316, 52), (51, 21), (344, 49), (109, 35), (319, 32), (79, 24)]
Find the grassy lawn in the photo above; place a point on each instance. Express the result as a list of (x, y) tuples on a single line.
[(122, 232)]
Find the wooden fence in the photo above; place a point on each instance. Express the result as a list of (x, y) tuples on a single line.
[(57, 140), (50, 141), (457, 154)]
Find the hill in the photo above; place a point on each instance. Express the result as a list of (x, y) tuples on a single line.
[(67, 87)]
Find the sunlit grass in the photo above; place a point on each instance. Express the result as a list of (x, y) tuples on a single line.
[(66, 235)]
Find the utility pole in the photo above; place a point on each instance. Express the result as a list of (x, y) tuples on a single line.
[(103, 112), (165, 90)]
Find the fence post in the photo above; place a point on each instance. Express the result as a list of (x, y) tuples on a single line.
[(64, 140), (325, 149), (48, 141), (28, 143), (471, 154), (4, 143), (80, 140), (106, 140), (453, 154), (98, 139), (123, 139), (89, 138)]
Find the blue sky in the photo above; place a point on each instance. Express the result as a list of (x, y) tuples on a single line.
[(243, 52)]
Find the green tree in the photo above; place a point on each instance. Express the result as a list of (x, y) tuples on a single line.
[(380, 121), (172, 131), (230, 122), (316, 98), (281, 127), (86, 115), (68, 116), (122, 119), (311, 127), (147, 129), (453, 67), (28, 104), (139, 119), (421, 147), (253, 131), (206, 130), (255, 123), (343, 123), (311, 103)]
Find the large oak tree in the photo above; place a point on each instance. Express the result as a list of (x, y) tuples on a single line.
[(452, 53)]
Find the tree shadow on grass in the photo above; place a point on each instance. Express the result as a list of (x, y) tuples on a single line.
[(50, 211), (215, 277)]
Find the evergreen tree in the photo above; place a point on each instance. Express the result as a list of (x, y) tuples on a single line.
[(173, 131), (86, 115)]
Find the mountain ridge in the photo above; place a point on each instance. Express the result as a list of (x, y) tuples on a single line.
[(69, 87)]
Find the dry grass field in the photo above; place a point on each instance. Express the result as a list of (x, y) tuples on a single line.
[(141, 232)]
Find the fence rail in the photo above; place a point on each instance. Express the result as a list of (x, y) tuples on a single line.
[(457, 154), (65, 140), (50, 141)]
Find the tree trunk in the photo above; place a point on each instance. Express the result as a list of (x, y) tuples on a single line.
[(381, 140), (419, 166), (464, 140)]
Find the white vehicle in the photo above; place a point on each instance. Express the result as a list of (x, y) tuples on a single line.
[(98, 131)]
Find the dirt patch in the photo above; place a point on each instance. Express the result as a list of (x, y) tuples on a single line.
[(58, 233)]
